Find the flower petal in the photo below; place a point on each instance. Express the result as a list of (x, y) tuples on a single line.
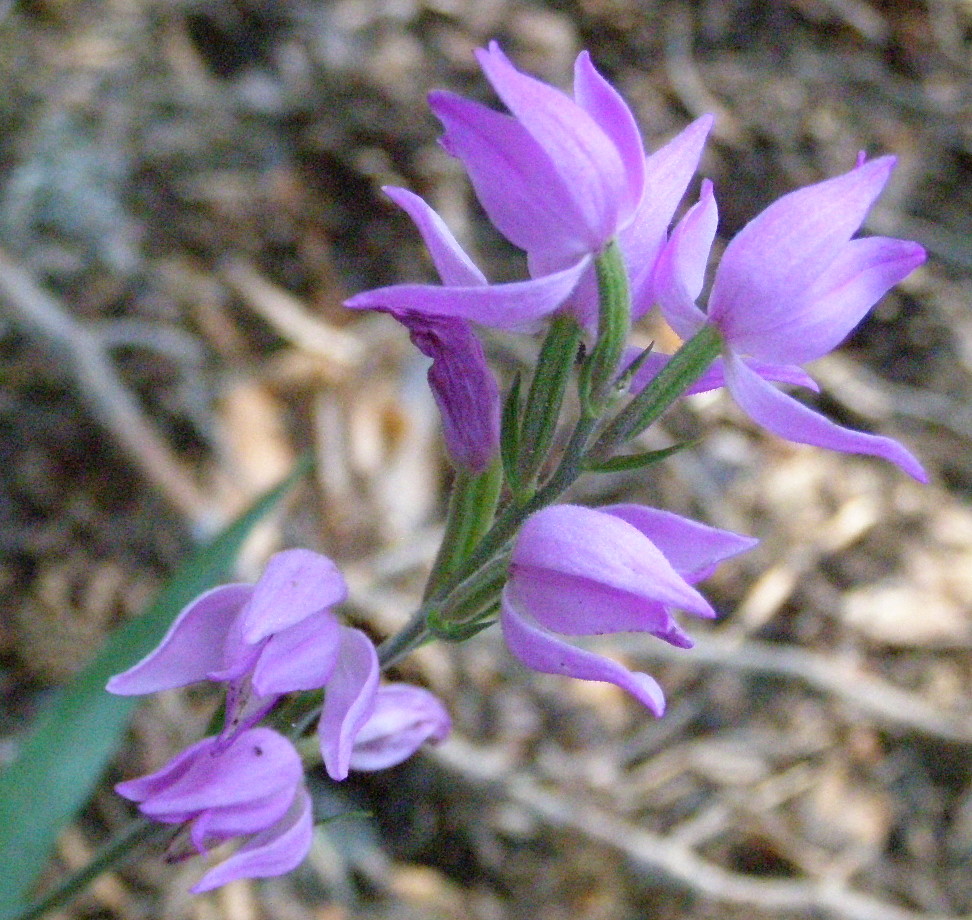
[(604, 104), (244, 708), (516, 307), (541, 650), (819, 320), (152, 784), (463, 385), (216, 825), (349, 700), (583, 572), (294, 584), (779, 255), (520, 189), (256, 764), (300, 657), (784, 416), (455, 268), (714, 376), (668, 172), (192, 647), (404, 718), (580, 151), (680, 269), (275, 851), (694, 549)]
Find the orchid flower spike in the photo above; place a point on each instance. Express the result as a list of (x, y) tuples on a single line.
[(790, 287), (560, 178), (252, 788), (263, 640), (579, 571)]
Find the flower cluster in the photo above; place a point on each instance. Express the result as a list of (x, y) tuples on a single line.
[(263, 641), (563, 177), (566, 179)]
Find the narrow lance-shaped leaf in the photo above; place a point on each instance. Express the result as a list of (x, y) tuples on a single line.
[(510, 435), (546, 396)]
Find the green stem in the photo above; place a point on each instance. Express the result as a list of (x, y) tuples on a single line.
[(546, 396), (681, 371), (415, 632), (614, 323), (114, 854), (472, 506)]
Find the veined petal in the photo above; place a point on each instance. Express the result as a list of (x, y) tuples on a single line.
[(583, 572), (295, 583), (349, 700), (542, 650), (680, 269), (580, 151), (819, 320), (516, 307), (784, 416), (275, 851), (192, 647), (694, 549), (404, 718), (780, 254), (455, 268), (668, 172), (300, 657), (604, 104), (520, 189)]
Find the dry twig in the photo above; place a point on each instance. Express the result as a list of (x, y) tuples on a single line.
[(661, 856), (896, 709), (341, 350), (44, 316)]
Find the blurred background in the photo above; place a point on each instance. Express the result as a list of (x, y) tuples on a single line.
[(188, 190)]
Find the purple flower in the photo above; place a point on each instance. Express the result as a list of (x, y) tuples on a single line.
[(263, 640), (280, 636), (404, 717), (578, 571), (252, 788), (790, 287), (560, 178)]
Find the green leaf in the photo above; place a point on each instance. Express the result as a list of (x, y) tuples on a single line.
[(510, 434), (635, 461), (541, 414), (681, 371), (61, 760)]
